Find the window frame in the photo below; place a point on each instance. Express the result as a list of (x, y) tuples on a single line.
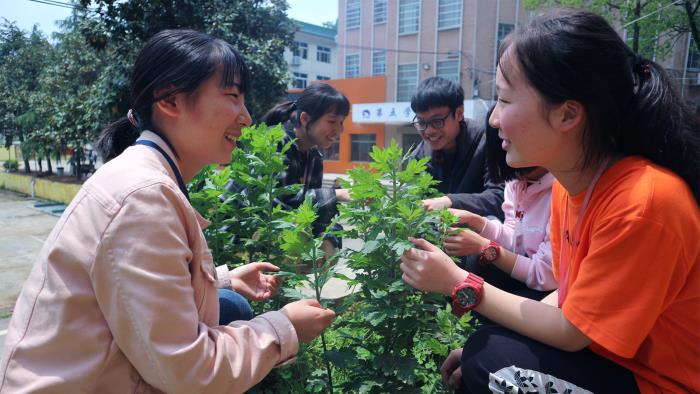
[(347, 57), (353, 21), (444, 9), (362, 142), (406, 7), (407, 88), (383, 7)]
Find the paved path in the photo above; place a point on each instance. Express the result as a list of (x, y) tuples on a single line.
[(23, 229)]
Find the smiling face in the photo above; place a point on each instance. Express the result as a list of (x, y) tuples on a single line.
[(445, 137), (214, 116), (324, 131), (523, 121)]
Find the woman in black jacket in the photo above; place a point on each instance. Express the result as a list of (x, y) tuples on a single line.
[(315, 120)]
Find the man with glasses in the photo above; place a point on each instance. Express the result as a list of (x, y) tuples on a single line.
[(456, 149)]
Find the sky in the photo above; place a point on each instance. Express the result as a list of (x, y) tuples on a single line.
[(26, 13)]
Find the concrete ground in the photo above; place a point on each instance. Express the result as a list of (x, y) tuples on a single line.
[(23, 229), (24, 225)]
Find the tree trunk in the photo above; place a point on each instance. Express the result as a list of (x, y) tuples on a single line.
[(690, 12), (48, 164), (635, 26), (78, 160), (25, 158)]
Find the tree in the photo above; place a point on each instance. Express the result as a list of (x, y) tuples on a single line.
[(73, 102), (259, 29), (654, 25), (23, 57)]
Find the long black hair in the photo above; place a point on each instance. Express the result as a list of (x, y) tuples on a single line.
[(316, 100), (179, 60), (632, 108), (496, 164)]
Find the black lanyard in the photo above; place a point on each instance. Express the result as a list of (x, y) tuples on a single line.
[(155, 146)]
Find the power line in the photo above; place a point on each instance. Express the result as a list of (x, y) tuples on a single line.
[(55, 3), (360, 47), (650, 14)]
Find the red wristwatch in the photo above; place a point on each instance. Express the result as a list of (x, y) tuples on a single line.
[(490, 253), (467, 294)]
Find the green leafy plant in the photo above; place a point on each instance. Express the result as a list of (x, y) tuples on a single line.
[(241, 200), (387, 337), (380, 333), (299, 243)]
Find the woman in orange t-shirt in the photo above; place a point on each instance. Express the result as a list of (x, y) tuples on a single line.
[(625, 223)]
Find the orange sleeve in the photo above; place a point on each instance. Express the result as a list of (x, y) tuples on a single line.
[(558, 195), (632, 271)]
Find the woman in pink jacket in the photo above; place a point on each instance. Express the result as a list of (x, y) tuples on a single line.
[(516, 255), (123, 296)]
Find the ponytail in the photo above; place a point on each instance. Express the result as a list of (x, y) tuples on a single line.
[(664, 129), (316, 100), (280, 113), (115, 138)]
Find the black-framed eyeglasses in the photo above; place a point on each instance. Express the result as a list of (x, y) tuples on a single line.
[(436, 123)]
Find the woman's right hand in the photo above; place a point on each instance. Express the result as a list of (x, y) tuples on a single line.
[(308, 318), (475, 222), (436, 203)]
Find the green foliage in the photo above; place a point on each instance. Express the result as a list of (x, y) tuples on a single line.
[(10, 165), (23, 57), (299, 243), (652, 26), (247, 222), (259, 29), (380, 330), (387, 337)]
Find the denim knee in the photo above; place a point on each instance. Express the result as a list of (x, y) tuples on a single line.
[(232, 307)]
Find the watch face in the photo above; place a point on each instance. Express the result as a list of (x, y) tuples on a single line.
[(466, 297), (490, 253)]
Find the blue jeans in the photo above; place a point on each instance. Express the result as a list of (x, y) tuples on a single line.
[(232, 307)]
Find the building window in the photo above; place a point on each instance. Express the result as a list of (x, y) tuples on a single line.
[(378, 62), (322, 78), (352, 66), (352, 14), (693, 57), (299, 80), (406, 81), (449, 14), (409, 15), (301, 49), (379, 11), (503, 30), (410, 141), (361, 145), (332, 152), (448, 69), (323, 54)]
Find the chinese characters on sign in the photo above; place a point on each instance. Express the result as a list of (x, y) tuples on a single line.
[(397, 113), (401, 113)]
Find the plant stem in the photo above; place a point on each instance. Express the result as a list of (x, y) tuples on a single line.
[(317, 287), (269, 215), (328, 364)]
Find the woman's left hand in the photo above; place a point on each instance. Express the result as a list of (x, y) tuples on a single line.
[(342, 195), (464, 243), (250, 282), (428, 268)]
